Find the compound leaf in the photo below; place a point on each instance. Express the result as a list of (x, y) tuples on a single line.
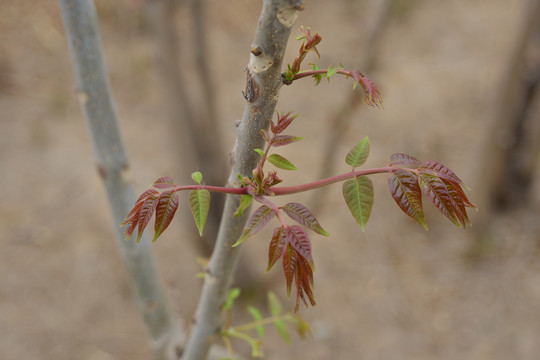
[(167, 204), (359, 153), (199, 203), (404, 188), (303, 215), (358, 194), (280, 162)]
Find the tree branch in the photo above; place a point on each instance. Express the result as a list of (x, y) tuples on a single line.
[(80, 23), (262, 86)]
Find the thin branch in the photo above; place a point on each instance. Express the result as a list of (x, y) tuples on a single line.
[(80, 22), (263, 84)]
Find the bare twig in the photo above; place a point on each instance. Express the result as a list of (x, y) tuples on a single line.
[(263, 84), (80, 22)]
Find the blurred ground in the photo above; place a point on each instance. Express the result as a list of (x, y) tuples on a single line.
[(393, 292)]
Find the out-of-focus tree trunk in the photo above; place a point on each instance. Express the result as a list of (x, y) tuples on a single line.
[(511, 152), (80, 23), (196, 125)]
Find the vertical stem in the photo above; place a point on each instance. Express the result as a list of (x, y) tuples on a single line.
[(80, 23), (262, 87)]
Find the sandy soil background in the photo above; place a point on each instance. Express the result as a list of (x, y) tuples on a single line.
[(393, 292)]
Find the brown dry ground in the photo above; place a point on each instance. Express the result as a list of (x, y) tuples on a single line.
[(393, 292)]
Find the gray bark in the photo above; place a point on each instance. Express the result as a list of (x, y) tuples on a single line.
[(95, 96), (262, 87)]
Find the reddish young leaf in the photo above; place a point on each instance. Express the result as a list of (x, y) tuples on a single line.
[(133, 217), (298, 238), (277, 247), (372, 96), (460, 207), (282, 140), (304, 281), (140, 201), (165, 182), (403, 159), (147, 210), (441, 171), (460, 193), (437, 192), (167, 204), (406, 192), (302, 215), (289, 266), (256, 222), (284, 120)]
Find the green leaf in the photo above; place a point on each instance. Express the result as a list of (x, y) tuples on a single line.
[(317, 77), (301, 325), (274, 305), (280, 162), (197, 177), (256, 350), (303, 215), (359, 153), (257, 316), (289, 75), (259, 151), (331, 71), (199, 202), (282, 140), (282, 329), (231, 296), (245, 202), (358, 194)]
